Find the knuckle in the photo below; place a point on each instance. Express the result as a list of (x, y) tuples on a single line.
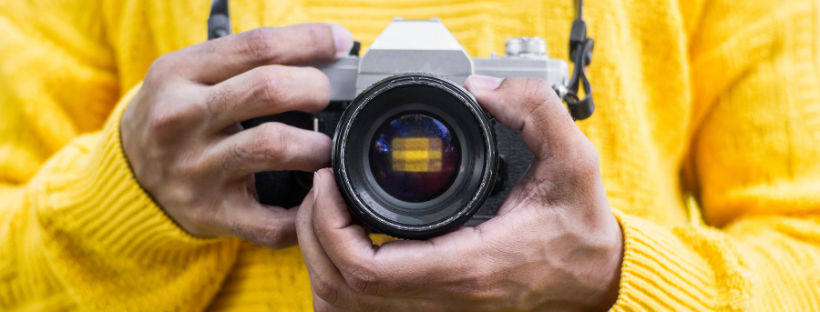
[(167, 120), (536, 92), (158, 70), (222, 100), (326, 290), (315, 32), (319, 33), (269, 81), (258, 44), (272, 236), (233, 157), (272, 144), (264, 238), (363, 281)]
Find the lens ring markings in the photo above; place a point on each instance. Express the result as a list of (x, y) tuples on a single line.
[(401, 95)]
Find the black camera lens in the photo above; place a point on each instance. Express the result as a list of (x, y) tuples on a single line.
[(415, 156)]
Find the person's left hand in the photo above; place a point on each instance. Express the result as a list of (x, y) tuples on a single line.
[(554, 245)]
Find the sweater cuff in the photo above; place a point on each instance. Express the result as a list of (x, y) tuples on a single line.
[(660, 271), (105, 204)]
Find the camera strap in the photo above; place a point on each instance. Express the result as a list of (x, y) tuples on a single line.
[(580, 52), (219, 23)]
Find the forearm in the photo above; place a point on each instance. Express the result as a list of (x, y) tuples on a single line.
[(83, 226), (760, 264)]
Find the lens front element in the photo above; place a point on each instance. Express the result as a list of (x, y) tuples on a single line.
[(414, 157)]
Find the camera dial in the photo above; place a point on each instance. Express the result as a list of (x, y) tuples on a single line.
[(526, 46), (413, 153)]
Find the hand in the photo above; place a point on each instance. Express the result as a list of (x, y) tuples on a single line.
[(182, 137), (554, 245)]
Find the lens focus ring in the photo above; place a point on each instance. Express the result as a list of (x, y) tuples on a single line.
[(415, 155)]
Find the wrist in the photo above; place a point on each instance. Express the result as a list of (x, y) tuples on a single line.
[(603, 276), (608, 293)]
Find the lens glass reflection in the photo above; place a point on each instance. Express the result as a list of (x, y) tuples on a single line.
[(414, 157)]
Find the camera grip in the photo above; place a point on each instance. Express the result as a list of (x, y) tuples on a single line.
[(288, 188), (517, 159)]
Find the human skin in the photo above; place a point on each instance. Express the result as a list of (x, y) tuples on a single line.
[(554, 245), (182, 137)]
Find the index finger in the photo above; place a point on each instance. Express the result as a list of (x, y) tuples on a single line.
[(529, 105), (302, 44)]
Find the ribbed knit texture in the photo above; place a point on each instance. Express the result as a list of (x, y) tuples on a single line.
[(720, 99)]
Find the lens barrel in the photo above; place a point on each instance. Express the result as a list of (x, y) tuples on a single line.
[(415, 156)]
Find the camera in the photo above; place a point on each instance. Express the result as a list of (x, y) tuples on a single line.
[(414, 154)]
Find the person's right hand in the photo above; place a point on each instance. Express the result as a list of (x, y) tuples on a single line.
[(182, 137)]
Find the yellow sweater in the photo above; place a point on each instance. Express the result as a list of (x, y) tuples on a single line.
[(716, 98)]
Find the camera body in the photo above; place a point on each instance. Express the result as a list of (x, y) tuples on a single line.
[(428, 48)]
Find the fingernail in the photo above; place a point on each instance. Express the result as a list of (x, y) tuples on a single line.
[(482, 83), (315, 189), (343, 39)]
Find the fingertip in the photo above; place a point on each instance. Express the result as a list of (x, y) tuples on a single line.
[(324, 175), (325, 183), (328, 201), (267, 226), (484, 88), (343, 40), (480, 83), (322, 151)]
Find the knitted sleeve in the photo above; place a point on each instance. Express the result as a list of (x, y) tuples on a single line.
[(754, 165), (76, 229)]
